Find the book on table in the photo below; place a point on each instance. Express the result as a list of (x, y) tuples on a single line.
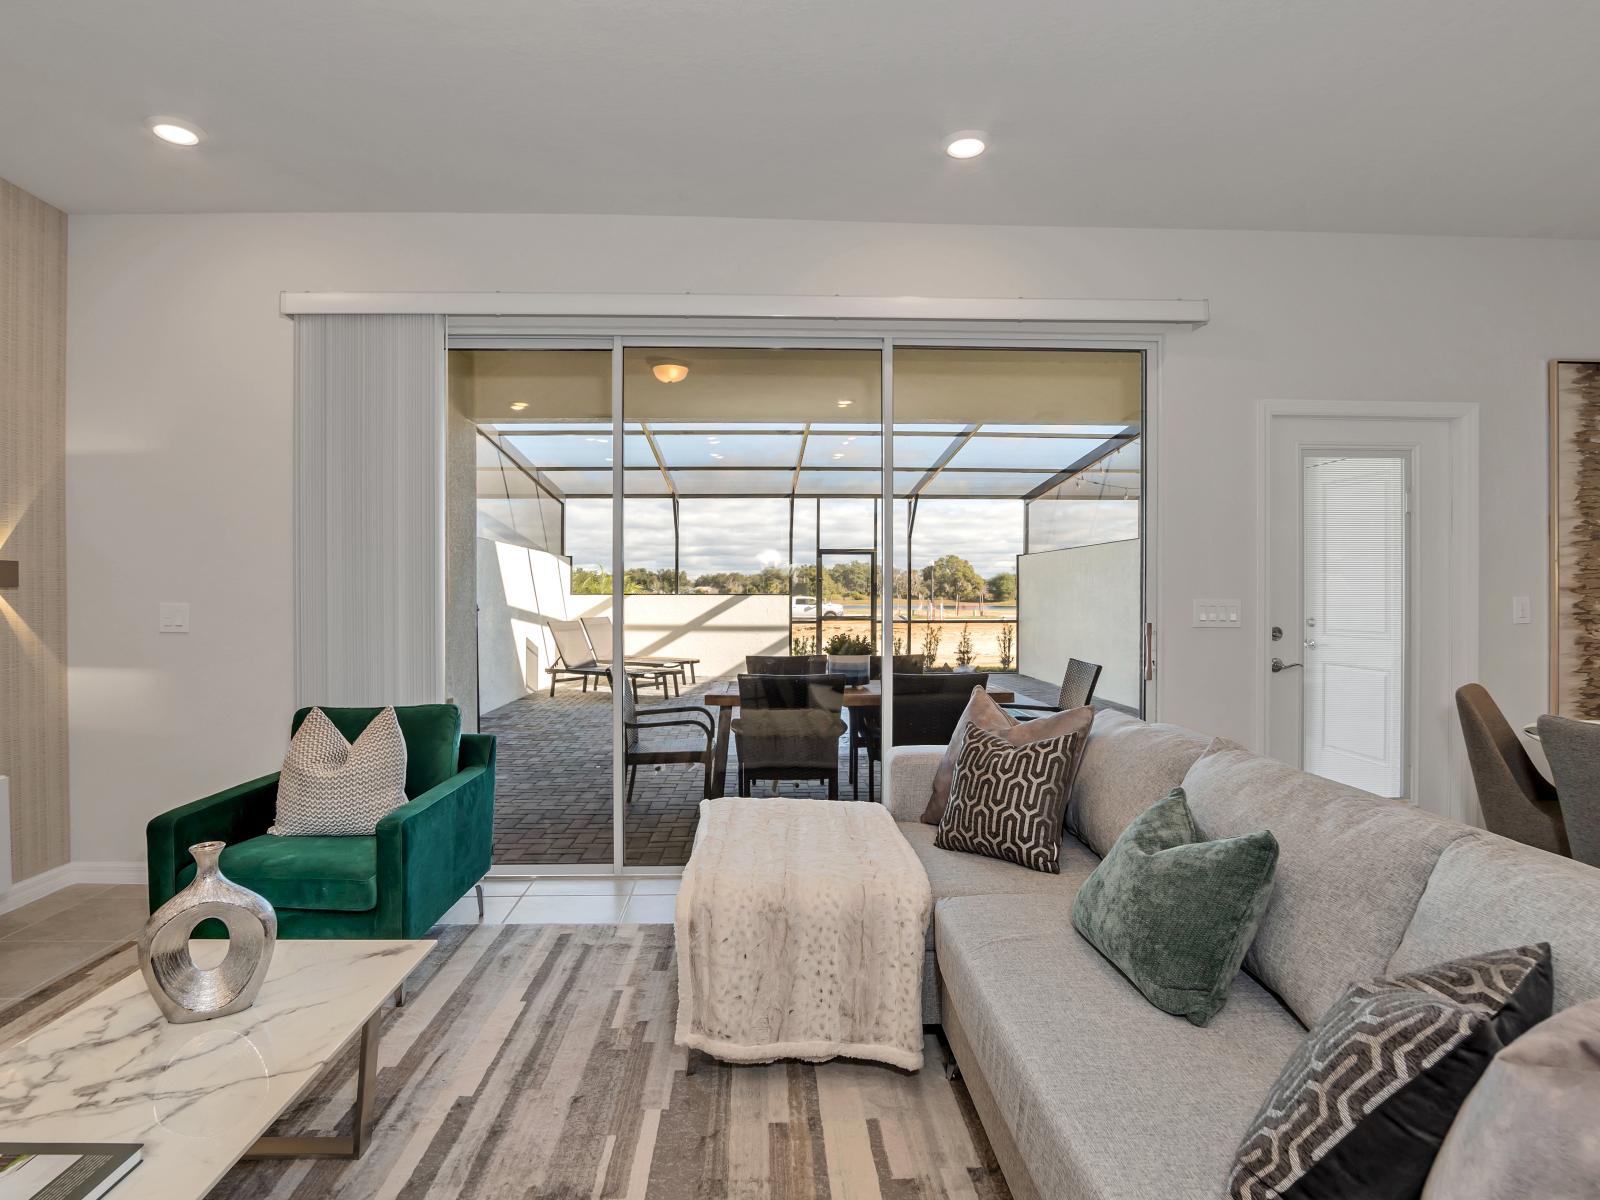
[(63, 1170)]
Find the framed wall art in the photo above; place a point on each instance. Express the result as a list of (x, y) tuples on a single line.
[(1575, 538)]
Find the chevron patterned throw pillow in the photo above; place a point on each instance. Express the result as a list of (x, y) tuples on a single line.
[(1009, 801), (331, 787), (1365, 1102)]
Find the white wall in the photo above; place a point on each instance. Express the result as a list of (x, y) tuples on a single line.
[(519, 590), (179, 399), (1082, 602)]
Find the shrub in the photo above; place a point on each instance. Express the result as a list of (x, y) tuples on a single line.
[(848, 643), (1007, 642), (802, 644), (964, 651), (930, 643)]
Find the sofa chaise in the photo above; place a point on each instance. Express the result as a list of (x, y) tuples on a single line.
[(1086, 1091)]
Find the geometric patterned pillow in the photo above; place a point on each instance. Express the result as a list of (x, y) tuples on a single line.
[(331, 787), (1365, 1102), (1009, 801)]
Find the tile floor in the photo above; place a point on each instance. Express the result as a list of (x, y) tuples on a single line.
[(42, 941), (571, 900)]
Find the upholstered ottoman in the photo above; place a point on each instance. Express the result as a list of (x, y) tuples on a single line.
[(800, 930)]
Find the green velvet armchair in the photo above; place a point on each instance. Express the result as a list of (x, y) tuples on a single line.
[(425, 856)]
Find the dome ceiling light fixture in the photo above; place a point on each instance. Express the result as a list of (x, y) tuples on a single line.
[(175, 131), (668, 370), (969, 143)]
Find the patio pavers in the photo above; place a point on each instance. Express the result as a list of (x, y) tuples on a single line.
[(553, 785)]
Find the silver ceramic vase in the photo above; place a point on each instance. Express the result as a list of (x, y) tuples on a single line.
[(187, 992)]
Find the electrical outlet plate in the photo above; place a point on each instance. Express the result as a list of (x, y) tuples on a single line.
[(1217, 614), (174, 617)]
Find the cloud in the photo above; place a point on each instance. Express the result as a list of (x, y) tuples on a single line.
[(746, 535)]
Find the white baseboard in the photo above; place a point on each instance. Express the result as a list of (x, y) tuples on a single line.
[(37, 887)]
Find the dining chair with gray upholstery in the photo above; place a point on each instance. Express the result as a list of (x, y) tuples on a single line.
[(1573, 748), (1517, 801)]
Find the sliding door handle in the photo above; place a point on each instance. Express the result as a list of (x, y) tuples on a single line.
[(1279, 665)]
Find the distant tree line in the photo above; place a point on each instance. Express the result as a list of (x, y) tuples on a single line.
[(950, 577)]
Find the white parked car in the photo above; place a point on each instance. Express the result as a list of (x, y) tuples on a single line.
[(805, 608)]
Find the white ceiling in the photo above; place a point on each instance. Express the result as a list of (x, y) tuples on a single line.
[(1425, 116)]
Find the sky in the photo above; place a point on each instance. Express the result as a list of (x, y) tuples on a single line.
[(746, 535)]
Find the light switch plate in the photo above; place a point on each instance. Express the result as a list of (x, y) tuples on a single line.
[(1521, 610), (1217, 614), (174, 617)]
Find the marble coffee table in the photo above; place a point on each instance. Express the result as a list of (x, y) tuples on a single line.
[(200, 1097)]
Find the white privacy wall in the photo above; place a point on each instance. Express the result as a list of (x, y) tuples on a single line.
[(1081, 602), (179, 433), (721, 631), (520, 589)]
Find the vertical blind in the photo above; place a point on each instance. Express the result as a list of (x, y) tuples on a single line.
[(1354, 538), (369, 509)]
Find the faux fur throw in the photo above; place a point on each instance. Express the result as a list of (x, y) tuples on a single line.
[(800, 927)]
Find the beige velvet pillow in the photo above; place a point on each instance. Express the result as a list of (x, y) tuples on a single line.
[(1527, 1131), (983, 712)]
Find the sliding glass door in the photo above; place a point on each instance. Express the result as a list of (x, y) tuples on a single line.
[(543, 561), (1018, 519), (657, 520), (745, 465)]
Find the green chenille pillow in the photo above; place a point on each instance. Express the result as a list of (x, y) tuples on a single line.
[(1174, 912)]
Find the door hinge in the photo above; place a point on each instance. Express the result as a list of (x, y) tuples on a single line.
[(1149, 650)]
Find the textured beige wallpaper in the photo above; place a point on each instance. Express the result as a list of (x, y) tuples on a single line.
[(33, 618)]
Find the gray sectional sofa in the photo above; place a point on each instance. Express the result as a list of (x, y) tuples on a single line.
[(1086, 1091)]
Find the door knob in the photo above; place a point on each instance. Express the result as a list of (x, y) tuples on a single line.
[(1279, 665), (1310, 643)]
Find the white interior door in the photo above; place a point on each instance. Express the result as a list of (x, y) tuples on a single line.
[(1358, 563), (1354, 514)]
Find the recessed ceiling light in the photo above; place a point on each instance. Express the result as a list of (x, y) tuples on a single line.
[(838, 455), (669, 371), (967, 144), (844, 403), (519, 405), (176, 130)]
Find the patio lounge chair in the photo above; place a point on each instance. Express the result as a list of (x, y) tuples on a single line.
[(598, 630), (786, 664), (788, 727), (638, 755), (1077, 689), (927, 709), (575, 660)]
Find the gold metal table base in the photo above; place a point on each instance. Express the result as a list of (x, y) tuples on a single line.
[(330, 1146)]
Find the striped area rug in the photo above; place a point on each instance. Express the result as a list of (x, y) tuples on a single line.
[(537, 1061)]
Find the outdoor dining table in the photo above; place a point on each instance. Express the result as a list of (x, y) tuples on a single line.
[(724, 697)]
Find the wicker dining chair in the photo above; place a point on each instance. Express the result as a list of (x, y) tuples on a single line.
[(1077, 689), (786, 664)]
